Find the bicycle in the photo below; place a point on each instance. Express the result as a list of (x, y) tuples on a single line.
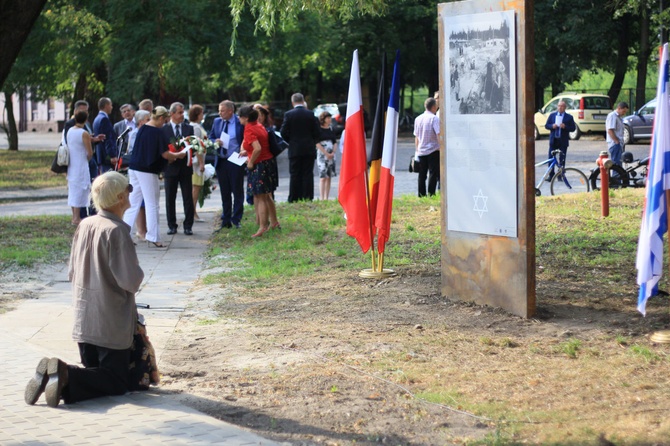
[(406, 123), (633, 173), (566, 180)]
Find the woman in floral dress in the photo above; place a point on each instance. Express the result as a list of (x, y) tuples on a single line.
[(325, 156)]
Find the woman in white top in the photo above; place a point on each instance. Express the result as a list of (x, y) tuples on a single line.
[(195, 114), (78, 174)]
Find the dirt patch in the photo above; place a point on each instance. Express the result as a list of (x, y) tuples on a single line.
[(338, 360), (25, 283), (335, 359)]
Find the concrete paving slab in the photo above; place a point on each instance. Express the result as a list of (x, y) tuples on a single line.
[(42, 327)]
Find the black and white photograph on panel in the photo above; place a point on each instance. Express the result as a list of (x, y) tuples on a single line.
[(479, 66), (480, 123)]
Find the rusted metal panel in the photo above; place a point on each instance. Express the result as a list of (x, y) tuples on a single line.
[(485, 269)]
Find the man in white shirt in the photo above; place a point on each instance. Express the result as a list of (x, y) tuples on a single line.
[(427, 144), (614, 128)]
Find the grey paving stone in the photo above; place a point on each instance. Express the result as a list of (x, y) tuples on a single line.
[(42, 327)]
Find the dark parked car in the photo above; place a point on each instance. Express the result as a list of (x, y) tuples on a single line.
[(208, 120), (640, 124)]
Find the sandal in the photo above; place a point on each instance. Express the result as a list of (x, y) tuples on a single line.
[(275, 225), (158, 245), (260, 232)]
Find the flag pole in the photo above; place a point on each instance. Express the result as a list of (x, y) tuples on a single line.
[(663, 336), (369, 273)]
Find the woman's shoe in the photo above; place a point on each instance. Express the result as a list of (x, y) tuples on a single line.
[(158, 245), (275, 225), (140, 237), (260, 232)]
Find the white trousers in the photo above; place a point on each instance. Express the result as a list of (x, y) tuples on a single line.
[(145, 187)]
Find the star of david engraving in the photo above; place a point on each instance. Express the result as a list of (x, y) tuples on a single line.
[(480, 203)]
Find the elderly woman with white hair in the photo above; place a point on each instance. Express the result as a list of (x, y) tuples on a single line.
[(105, 275), (150, 153)]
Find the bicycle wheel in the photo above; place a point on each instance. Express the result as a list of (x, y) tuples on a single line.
[(569, 181), (618, 178)]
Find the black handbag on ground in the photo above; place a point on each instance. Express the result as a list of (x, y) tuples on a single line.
[(414, 165)]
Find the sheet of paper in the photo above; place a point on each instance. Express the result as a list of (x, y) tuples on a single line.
[(235, 158), (225, 138)]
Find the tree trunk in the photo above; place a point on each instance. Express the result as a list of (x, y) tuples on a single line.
[(643, 57), (16, 21), (79, 91), (10, 128), (621, 61)]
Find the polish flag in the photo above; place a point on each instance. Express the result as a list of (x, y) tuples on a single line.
[(353, 194)]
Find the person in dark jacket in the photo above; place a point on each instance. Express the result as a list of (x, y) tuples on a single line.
[(301, 130), (106, 152), (178, 173), (560, 124)]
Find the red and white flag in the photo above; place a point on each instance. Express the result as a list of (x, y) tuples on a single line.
[(353, 194)]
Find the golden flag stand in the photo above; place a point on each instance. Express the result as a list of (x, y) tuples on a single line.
[(377, 271)]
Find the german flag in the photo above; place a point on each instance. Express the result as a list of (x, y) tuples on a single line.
[(375, 159)]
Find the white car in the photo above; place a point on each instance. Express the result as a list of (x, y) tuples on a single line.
[(589, 111)]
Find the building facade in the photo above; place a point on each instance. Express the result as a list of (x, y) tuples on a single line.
[(35, 116)]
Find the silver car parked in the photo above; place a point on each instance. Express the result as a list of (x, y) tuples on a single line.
[(640, 124)]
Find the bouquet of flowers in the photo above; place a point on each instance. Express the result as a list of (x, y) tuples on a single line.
[(182, 145), (211, 147), (206, 189)]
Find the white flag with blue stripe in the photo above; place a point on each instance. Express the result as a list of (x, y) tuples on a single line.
[(649, 261)]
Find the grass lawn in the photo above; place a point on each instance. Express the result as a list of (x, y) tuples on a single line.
[(28, 170)]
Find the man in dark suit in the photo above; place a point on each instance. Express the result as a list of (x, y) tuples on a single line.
[(105, 151), (301, 130), (560, 125), (178, 173), (229, 175), (128, 113)]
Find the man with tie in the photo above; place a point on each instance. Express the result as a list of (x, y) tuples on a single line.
[(560, 124), (128, 113), (82, 105), (178, 173), (228, 133), (105, 151)]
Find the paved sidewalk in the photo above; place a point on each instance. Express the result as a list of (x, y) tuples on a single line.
[(42, 327)]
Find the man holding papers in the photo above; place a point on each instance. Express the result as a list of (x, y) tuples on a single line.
[(228, 134)]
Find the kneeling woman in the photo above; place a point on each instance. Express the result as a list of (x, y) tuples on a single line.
[(105, 275), (259, 165)]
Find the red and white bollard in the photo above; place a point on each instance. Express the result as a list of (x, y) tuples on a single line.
[(605, 163)]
